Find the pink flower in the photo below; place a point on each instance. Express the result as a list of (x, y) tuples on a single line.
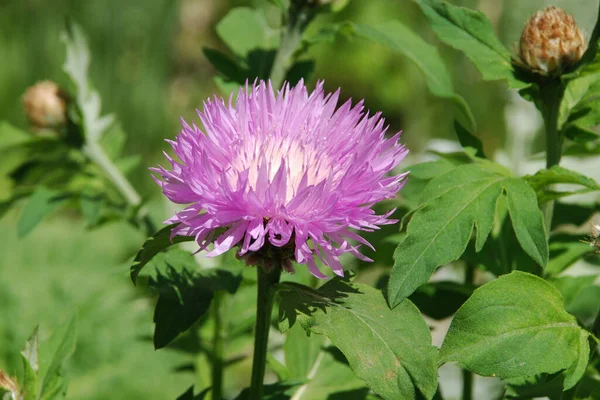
[(284, 175)]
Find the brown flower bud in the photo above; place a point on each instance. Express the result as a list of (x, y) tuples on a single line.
[(551, 42), (45, 105)]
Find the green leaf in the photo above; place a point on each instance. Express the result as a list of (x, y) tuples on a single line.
[(452, 205), (29, 358), (184, 296), (189, 394), (400, 39), (395, 357), (41, 203), (76, 66), (160, 241), (274, 391), (516, 326), (300, 70), (301, 351), (54, 354), (546, 177), (472, 33), (244, 30), (10, 135), (225, 65)]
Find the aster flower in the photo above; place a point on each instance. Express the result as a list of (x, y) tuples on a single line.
[(285, 175)]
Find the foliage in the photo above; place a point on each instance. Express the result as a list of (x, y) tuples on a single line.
[(524, 313)]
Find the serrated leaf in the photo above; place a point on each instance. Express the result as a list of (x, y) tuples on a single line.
[(244, 29), (189, 394), (53, 355), (160, 241), (77, 62), (41, 203), (565, 251), (184, 296), (453, 205), (400, 39), (395, 357), (516, 326), (472, 33)]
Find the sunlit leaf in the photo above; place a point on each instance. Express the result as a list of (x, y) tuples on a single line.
[(52, 357), (516, 326), (472, 33), (244, 29), (402, 40), (395, 357), (41, 203), (453, 205)]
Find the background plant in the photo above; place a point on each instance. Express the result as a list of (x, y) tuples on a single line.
[(509, 231)]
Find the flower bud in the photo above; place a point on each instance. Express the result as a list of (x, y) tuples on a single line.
[(551, 42), (45, 105)]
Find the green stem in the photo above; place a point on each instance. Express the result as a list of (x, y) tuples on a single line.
[(264, 308), (300, 15), (96, 153), (467, 392), (551, 96), (217, 359)]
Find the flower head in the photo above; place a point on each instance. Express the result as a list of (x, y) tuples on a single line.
[(551, 42), (45, 105), (285, 174)]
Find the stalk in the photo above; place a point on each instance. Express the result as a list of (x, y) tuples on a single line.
[(217, 359), (264, 309), (298, 18), (96, 153), (551, 96), (467, 391)]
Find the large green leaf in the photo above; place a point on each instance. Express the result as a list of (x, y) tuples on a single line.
[(516, 326), (160, 241), (471, 32), (390, 349), (244, 30), (452, 205), (402, 40)]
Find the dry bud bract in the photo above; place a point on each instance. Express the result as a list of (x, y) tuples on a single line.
[(45, 105), (551, 42)]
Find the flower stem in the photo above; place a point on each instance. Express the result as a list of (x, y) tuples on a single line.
[(298, 18), (264, 308), (467, 392), (551, 95), (217, 359), (96, 153)]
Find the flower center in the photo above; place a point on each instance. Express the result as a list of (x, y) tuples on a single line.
[(262, 157)]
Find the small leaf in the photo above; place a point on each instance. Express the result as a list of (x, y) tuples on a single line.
[(453, 204), (189, 394), (244, 29), (397, 37), (300, 70), (29, 357), (557, 174), (225, 65), (88, 101), (467, 139), (565, 250), (41, 203), (516, 326), (53, 356), (395, 357), (274, 391), (154, 245), (471, 32)]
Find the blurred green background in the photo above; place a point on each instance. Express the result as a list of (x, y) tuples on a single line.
[(149, 67)]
